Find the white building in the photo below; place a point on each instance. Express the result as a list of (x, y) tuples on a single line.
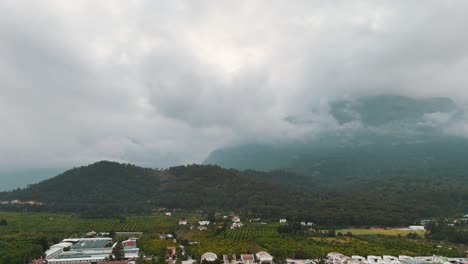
[(358, 258), (417, 227), (204, 222), (263, 257), (283, 221), (374, 259), (209, 256)]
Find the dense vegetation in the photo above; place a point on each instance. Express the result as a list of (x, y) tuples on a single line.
[(108, 189), (443, 230)]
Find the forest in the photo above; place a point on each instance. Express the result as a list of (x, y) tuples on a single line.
[(109, 189)]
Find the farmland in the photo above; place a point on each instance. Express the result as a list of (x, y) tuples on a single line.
[(380, 231), (26, 234)]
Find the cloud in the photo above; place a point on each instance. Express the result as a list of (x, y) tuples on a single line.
[(160, 83)]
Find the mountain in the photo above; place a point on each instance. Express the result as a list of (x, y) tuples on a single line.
[(373, 134), (392, 149), (110, 187), (105, 189)]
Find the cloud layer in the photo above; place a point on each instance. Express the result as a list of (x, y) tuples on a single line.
[(159, 83)]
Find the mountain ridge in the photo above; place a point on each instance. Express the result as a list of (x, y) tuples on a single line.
[(106, 189)]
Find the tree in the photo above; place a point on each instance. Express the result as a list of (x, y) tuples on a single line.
[(117, 251), (112, 234)]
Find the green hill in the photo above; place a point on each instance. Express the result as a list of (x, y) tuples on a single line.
[(110, 188)]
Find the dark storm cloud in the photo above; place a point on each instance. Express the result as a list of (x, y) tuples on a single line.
[(165, 82)]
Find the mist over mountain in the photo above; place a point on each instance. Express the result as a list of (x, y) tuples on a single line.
[(372, 134)]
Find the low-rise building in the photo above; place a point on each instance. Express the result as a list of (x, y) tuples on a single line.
[(264, 257), (247, 258), (204, 222), (209, 256), (229, 259)]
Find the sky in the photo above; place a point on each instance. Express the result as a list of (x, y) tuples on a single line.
[(161, 83)]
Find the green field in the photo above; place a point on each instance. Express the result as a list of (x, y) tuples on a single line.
[(379, 231)]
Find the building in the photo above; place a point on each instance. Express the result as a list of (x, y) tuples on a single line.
[(236, 225), (171, 252), (202, 228), (417, 228), (84, 250), (374, 259), (204, 222), (283, 221), (168, 214), (358, 258), (209, 256), (182, 222), (89, 250), (227, 259), (247, 258), (264, 257)]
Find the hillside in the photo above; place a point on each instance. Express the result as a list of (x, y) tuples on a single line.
[(110, 188), (105, 187)]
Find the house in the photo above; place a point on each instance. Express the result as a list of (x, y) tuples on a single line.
[(166, 236), (283, 221), (236, 225), (247, 258), (229, 259), (209, 256), (335, 257), (264, 257), (202, 228), (358, 258), (168, 214), (417, 227), (203, 222), (129, 243), (170, 253), (374, 259), (235, 218), (182, 222), (92, 233)]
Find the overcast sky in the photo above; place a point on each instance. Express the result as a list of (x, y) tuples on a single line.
[(159, 83)]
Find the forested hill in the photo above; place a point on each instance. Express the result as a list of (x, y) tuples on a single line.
[(110, 188)]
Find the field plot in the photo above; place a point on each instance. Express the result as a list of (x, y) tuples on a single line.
[(380, 231), (70, 224)]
